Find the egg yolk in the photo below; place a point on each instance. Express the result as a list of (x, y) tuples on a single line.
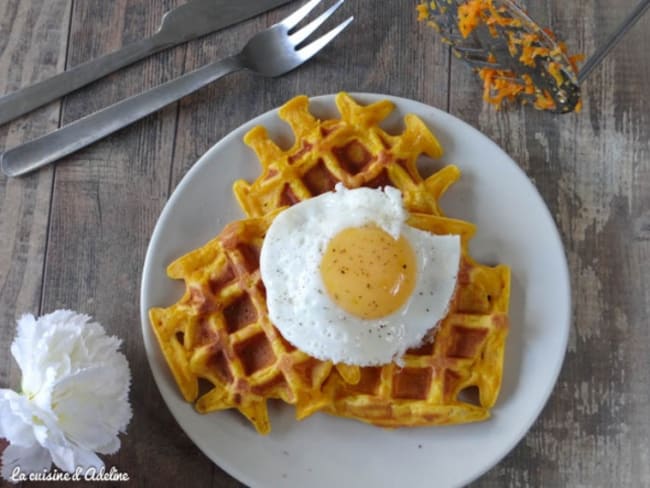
[(367, 272)]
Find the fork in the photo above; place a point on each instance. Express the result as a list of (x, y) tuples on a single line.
[(271, 53), (484, 49)]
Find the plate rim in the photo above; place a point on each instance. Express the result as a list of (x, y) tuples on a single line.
[(150, 345)]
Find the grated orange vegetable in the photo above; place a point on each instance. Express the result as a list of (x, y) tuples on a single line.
[(502, 85)]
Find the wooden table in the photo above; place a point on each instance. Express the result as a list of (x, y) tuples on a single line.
[(74, 235)]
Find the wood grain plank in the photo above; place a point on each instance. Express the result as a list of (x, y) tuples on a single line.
[(105, 202), (33, 36), (594, 430)]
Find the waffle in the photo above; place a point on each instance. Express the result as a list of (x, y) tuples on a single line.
[(353, 150), (218, 338), (224, 352), (453, 378), (219, 332)]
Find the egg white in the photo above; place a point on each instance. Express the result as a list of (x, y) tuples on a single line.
[(299, 304)]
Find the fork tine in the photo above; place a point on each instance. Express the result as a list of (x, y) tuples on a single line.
[(471, 50), (310, 49), (306, 31), (481, 63), (293, 19)]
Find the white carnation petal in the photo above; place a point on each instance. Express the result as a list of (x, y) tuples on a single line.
[(110, 448), (91, 406), (47, 430), (69, 457), (30, 459), (22, 349), (15, 419)]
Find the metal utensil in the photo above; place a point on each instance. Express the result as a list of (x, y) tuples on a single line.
[(272, 52), (184, 23), (493, 47)]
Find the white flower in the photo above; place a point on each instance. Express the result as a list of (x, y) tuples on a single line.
[(74, 399)]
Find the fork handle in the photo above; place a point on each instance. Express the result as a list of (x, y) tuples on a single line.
[(83, 132)]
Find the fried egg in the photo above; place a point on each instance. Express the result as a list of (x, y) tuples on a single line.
[(347, 280)]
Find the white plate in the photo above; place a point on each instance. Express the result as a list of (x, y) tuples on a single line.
[(514, 227)]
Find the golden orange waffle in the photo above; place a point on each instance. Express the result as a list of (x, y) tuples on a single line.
[(219, 331), (353, 150), (225, 353), (453, 379)]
